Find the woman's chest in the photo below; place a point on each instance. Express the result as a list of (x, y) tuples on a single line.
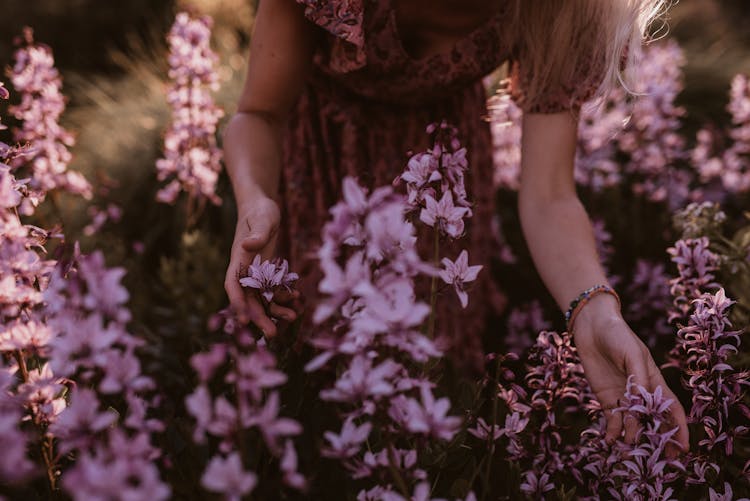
[(426, 27)]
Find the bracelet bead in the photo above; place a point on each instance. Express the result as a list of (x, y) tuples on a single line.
[(584, 297)]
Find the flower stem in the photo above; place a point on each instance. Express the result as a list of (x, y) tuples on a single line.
[(433, 287), (395, 473), (46, 446), (491, 438)]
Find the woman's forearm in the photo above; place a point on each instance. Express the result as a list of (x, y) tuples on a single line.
[(561, 240), (252, 156)]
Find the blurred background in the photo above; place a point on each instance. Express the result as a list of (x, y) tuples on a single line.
[(112, 57)]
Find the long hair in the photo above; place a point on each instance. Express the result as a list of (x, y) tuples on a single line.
[(579, 42)]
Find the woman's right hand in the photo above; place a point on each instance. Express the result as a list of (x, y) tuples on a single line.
[(256, 233)]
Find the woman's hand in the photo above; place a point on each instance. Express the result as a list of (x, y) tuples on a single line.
[(610, 351), (256, 233)]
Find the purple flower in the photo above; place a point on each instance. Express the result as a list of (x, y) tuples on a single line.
[(459, 273), (288, 465), (362, 381), (428, 417), (347, 443), (36, 79), (444, 215), (76, 427), (228, 477), (205, 364), (272, 426), (696, 265), (483, 431), (191, 157), (536, 485), (266, 276)]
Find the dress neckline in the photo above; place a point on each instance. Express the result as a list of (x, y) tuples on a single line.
[(458, 46)]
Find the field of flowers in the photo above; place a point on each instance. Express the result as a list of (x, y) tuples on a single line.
[(124, 378)]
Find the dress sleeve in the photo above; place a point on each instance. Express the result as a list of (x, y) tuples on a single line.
[(569, 94), (342, 20)]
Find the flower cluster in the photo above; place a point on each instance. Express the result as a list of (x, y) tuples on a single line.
[(74, 388), (369, 327), (38, 82), (25, 395), (731, 167), (191, 156), (651, 139), (436, 191), (89, 344), (599, 126), (643, 130), (505, 124), (435, 182), (638, 471), (705, 345), (246, 374), (696, 264), (554, 387)]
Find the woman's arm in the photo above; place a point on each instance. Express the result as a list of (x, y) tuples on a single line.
[(280, 58), (561, 241)]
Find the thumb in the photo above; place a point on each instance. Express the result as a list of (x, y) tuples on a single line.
[(260, 234)]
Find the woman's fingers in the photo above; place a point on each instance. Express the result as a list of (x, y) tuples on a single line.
[(282, 312), (614, 425), (285, 296), (236, 296)]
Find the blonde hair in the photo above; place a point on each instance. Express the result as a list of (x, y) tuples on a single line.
[(593, 45)]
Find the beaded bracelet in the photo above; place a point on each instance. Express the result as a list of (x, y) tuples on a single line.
[(583, 298)]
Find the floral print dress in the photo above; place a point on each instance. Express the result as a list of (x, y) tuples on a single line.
[(364, 109)]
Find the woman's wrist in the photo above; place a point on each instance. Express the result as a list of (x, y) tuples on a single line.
[(249, 196), (600, 311)]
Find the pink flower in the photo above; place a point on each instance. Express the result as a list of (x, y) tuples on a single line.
[(444, 215), (483, 431), (428, 417), (349, 442), (362, 381), (272, 426), (77, 426), (288, 465), (205, 364), (36, 79), (198, 404), (192, 160), (458, 273), (536, 485), (228, 477), (266, 276)]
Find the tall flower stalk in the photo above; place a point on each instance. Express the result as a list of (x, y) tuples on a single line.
[(192, 160), (706, 343), (48, 156), (237, 398)]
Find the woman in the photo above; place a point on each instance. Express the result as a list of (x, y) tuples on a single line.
[(346, 87)]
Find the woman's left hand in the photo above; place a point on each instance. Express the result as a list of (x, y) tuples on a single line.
[(610, 351)]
